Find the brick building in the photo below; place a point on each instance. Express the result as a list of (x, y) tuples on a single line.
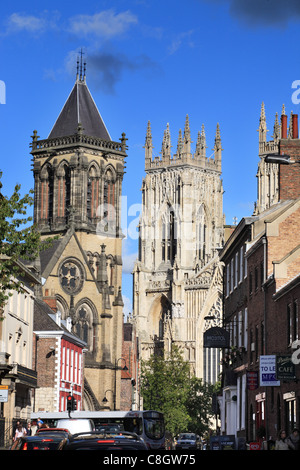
[(58, 358), (268, 295), (129, 377)]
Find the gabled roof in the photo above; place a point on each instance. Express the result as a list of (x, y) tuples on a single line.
[(80, 108)]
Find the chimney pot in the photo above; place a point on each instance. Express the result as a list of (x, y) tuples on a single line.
[(284, 126)]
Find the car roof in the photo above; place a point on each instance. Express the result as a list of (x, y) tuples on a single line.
[(40, 437), (107, 440), (55, 430)]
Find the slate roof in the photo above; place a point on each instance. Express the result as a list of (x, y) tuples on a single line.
[(80, 108), (42, 321)]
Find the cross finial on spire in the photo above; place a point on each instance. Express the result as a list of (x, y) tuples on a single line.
[(81, 67)]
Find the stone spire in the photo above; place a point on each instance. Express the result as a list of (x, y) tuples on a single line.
[(262, 129), (187, 138), (201, 144), (218, 148), (179, 145), (276, 131), (148, 146), (166, 146)]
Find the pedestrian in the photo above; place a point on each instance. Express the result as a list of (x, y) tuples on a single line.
[(39, 423), (29, 429), (283, 442), (33, 428), (295, 438), (20, 432)]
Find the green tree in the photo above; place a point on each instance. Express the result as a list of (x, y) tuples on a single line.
[(185, 401), (199, 405), (165, 388), (18, 240)]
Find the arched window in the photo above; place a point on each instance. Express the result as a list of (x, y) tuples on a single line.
[(82, 326), (92, 192), (63, 190), (47, 193), (169, 236), (201, 233), (109, 198)]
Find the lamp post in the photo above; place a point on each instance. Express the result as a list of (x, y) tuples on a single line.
[(114, 392), (105, 400)]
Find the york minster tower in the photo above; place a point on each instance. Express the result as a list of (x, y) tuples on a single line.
[(177, 280), (78, 172)]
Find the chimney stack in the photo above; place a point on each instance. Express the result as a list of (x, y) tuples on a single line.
[(284, 126), (295, 126)]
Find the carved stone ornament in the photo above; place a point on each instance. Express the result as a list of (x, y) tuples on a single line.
[(71, 276)]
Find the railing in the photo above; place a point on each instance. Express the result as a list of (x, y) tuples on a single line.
[(107, 145), (6, 430)]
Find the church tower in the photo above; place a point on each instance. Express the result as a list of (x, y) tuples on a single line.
[(178, 278), (78, 172)]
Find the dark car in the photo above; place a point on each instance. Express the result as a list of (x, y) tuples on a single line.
[(54, 431), (104, 441), (187, 440), (39, 442)]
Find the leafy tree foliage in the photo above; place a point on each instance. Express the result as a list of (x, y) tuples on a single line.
[(166, 386)]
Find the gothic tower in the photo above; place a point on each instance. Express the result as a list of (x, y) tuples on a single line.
[(78, 172), (178, 278)]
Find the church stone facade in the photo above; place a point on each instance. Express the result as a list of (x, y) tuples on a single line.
[(177, 279), (78, 172)]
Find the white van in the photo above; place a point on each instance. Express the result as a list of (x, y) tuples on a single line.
[(75, 425)]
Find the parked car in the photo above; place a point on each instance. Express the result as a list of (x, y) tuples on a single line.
[(39, 442), (187, 440), (76, 425), (54, 431), (104, 441)]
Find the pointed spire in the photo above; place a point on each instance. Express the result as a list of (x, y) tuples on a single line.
[(80, 109), (148, 146), (166, 145), (276, 132), (201, 144), (187, 137), (262, 129), (218, 148), (179, 145)]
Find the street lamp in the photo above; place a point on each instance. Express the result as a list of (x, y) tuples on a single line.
[(279, 159), (115, 385), (105, 400)]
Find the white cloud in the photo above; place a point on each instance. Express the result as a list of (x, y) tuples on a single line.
[(18, 22), (128, 262), (105, 24), (127, 309), (181, 39)]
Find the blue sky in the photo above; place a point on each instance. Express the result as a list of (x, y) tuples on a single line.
[(147, 60)]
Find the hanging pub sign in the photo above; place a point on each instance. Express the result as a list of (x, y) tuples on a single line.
[(216, 337), (252, 380), (285, 368)]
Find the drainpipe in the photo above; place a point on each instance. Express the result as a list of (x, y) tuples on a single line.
[(265, 288)]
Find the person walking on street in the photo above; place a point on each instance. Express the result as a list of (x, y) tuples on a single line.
[(283, 442), (295, 439), (20, 432)]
